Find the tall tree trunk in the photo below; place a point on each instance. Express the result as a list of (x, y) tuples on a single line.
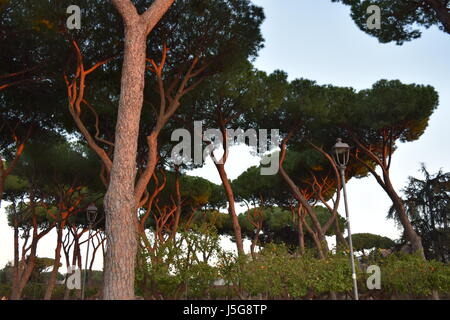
[(15, 282), (67, 257), (120, 204), (2, 187), (385, 182), (301, 234), (91, 264), (178, 204), (340, 239), (121, 217), (301, 199), (414, 238), (76, 258), (255, 241), (24, 276), (252, 248), (28, 270), (54, 274), (231, 207), (297, 194)]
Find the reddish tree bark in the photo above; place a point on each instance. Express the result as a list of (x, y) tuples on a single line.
[(220, 165), (120, 203), (66, 207), (125, 190), (28, 266), (318, 235), (256, 217), (382, 157), (16, 252), (54, 273), (320, 190)]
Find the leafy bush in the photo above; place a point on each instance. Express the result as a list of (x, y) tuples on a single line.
[(410, 274), (5, 290), (181, 266), (278, 274)]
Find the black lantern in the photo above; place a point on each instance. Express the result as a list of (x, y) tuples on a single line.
[(91, 213), (341, 152)]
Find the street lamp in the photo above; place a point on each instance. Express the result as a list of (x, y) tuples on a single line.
[(341, 153), (91, 215)]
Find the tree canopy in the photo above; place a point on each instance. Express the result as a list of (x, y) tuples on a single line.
[(401, 20), (427, 203)]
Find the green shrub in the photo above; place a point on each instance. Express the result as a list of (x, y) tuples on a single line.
[(5, 290), (278, 274), (410, 274), (173, 267)]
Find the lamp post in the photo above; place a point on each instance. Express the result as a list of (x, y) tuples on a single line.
[(341, 153), (91, 215)]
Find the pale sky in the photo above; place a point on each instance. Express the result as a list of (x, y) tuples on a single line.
[(317, 40)]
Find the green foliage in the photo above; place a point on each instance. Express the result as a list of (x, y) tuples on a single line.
[(6, 274), (278, 274), (62, 163), (224, 35), (42, 264), (280, 226), (427, 203), (220, 221), (198, 195), (181, 266), (410, 274), (23, 214), (400, 20), (366, 241), (5, 290), (391, 105), (262, 190), (58, 179)]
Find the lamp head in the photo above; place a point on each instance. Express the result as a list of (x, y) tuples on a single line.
[(91, 213), (341, 152)]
